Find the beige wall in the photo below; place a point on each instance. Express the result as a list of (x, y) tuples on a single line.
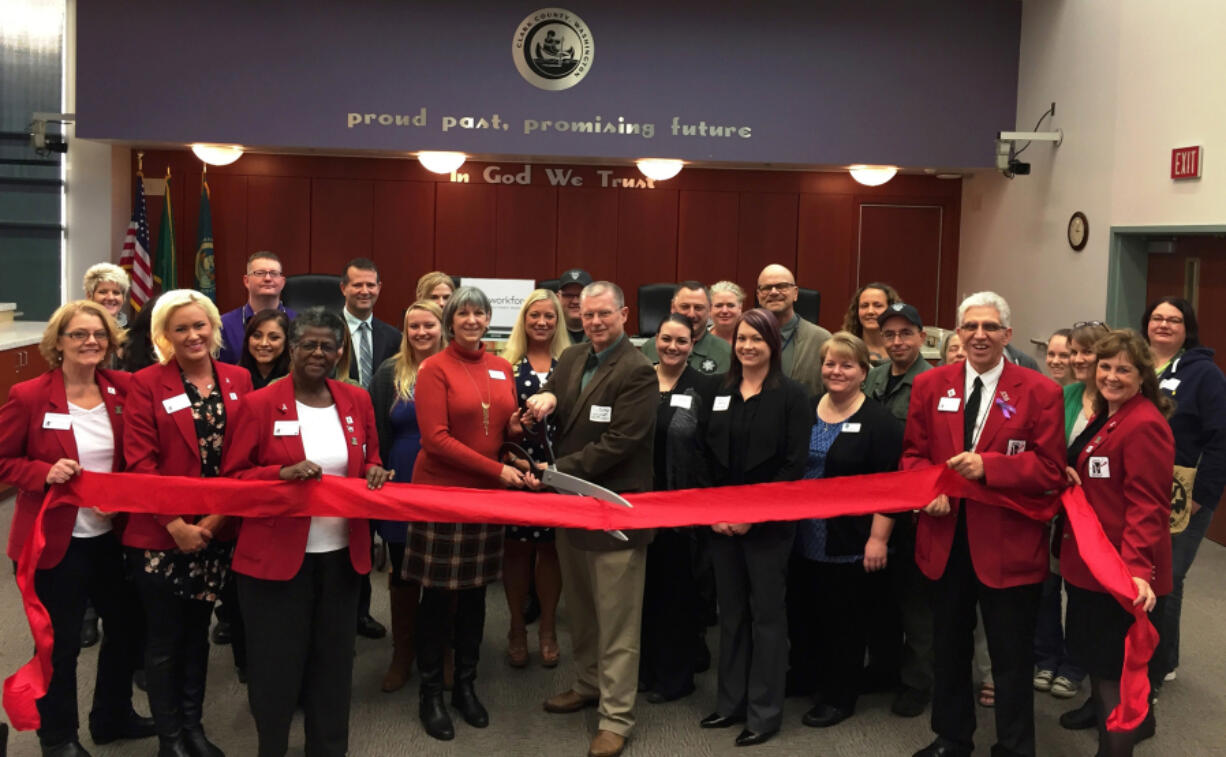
[(1131, 79)]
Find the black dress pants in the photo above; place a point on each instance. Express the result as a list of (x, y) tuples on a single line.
[(229, 611), (92, 570), (176, 651), (1009, 618), (672, 615), (300, 636)]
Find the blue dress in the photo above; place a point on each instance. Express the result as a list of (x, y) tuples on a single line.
[(527, 384), (406, 443)]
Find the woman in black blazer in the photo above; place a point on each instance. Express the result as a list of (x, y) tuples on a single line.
[(758, 431), (835, 578)]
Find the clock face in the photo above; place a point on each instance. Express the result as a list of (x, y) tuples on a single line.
[(1078, 231)]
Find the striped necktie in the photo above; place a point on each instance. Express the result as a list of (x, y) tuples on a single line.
[(365, 356)]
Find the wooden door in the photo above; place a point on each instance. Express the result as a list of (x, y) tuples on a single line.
[(900, 245)]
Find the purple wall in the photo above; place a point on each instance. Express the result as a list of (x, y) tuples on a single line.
[(819, 83)]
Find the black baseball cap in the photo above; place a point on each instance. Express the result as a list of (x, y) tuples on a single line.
[(574, 276), (901, 309)]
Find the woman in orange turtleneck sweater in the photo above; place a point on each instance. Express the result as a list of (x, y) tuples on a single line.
[(466, 408)]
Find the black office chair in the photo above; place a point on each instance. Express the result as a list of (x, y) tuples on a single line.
[(655, 302), (808, 304), (307, 290)]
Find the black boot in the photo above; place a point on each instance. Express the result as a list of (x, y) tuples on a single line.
[(195, 673), (431, 641), (198, 745), (172, 746), (1081, 718), (469, 626)]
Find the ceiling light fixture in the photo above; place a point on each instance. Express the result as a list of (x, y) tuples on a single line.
[(873, 176), (218, 155), (441, 161), (659, 169)]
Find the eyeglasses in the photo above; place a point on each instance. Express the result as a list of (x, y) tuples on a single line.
[(1173, 320), (781, 287), (265, 274), (81, 335), (327, 348), (1083, 324), (988, 328), (890, 336)]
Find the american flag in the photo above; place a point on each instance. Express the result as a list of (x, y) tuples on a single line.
[(135, 258)]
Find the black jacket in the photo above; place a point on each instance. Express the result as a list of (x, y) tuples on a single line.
[(1198, 387), (384, 343), (874, 448)]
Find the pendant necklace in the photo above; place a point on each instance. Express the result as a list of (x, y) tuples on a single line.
[(485, 403)]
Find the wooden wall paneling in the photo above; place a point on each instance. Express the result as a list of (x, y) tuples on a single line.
[(228, 206), (901, 245), (825, 252), (766, 233), (466, 217), (279, 220), (707, 236), (947, 302), (155, 164), (526, 232), (646, 243), (587, 232), (402, 242), (341, 223)]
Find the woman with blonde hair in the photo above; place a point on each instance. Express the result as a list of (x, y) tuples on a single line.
[(52, 427), (436, 287), (178, 424), (536, 341), (727, 302), (107, 284), (393, 394)]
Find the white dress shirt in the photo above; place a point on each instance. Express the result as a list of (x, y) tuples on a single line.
[(987, 395), (323, 442), (91, 430)]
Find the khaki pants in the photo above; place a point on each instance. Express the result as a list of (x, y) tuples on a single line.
[(604, 599)]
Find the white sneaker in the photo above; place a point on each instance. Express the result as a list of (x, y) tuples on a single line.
[(1170, 676), (1063, 687), (1043, 679)]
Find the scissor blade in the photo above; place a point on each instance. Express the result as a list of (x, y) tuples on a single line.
[(564, 482), (568, 484)]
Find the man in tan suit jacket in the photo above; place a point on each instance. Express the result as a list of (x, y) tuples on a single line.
[(605, 395)]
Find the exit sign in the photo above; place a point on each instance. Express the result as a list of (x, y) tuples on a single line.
[(1185, 162)]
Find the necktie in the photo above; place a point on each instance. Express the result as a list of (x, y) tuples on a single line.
[(971, 415), (365, 356)]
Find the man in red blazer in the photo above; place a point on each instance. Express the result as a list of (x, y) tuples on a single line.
[(1003, 426)]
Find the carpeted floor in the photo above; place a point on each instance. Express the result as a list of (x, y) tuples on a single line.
[(1191, 714)]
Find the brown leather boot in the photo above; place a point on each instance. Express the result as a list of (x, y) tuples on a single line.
[(404, 617)]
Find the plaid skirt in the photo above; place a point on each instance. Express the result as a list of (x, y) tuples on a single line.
[(453, 555)]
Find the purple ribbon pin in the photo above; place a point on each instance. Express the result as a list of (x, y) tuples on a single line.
[(1005, 408)]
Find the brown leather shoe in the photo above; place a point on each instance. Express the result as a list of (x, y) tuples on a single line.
[(606, 744), (569, 701)]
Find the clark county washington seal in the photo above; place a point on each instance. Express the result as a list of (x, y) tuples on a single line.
[(553, 49)]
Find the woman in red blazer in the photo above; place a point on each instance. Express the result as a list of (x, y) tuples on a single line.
[(298, 577), (177, 425), (1124, 461), (67, 420)]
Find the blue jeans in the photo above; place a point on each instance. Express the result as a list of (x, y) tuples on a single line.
[(1183, 552), (1050, 652)]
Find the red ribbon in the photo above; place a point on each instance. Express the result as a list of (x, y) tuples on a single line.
[(349, 497)]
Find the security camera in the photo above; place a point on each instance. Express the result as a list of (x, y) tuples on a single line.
[(41, 141)]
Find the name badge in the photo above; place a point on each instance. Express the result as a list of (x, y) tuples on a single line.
[(285, 428), (57, 421), (601, 414), (1016, 447), (1099, 467), (1169, 384), (949, 404), (498, 375), (851, 428), (233, 397), (176, 403), (722, 403), (681, 400)]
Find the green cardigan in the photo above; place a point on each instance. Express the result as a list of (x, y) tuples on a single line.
[(1072, 406)]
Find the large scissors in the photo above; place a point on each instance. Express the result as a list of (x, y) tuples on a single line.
[(563, 483)]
